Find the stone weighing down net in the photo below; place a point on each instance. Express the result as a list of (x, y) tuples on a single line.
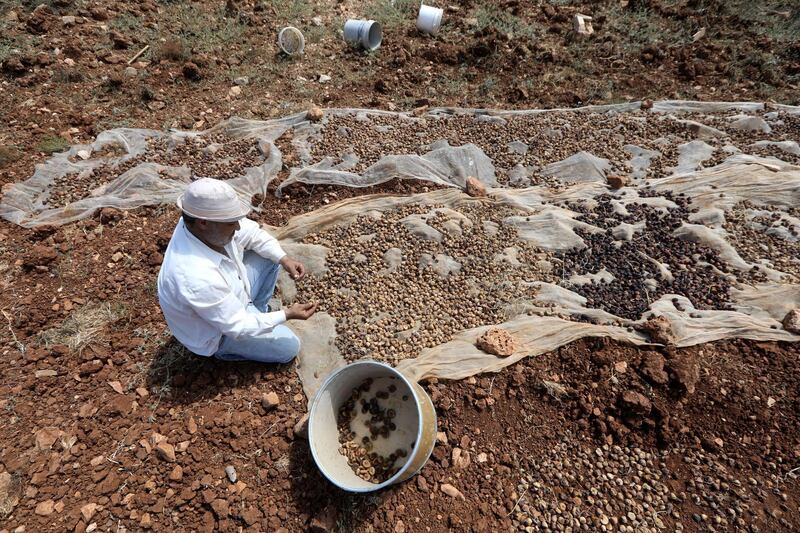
[(704, 232)]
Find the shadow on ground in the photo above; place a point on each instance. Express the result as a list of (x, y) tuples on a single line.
[(184, 378)]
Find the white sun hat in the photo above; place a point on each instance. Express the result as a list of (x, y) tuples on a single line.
[(214, 200)]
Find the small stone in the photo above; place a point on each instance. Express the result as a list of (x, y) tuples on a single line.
[(301, 427), (165, 451), (635, 403), (146, 522), (616, 181), (771, 401), (653, 368), (475, 188), (325, 522), (116, 385), (659, 329), (176, 474), (230, 471), (131, 72), (451, 491), (685, 371), (791, 322), (241, 81), (45, 373), (45, 508), (46, 437), (621, 367), (220, 508), (9, 495), (88, 511), (270, 401), (251, 515), (84, 154), (155, 438), (324, 78), (314, 114), (498, 342), (582, 24)]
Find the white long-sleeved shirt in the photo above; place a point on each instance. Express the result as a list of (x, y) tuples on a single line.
[(204, 294)]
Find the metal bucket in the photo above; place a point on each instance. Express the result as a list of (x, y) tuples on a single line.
[(417, 415)]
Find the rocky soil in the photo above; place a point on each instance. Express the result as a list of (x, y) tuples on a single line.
[(106, 424)]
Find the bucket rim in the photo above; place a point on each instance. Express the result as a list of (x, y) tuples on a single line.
[(417, 442)]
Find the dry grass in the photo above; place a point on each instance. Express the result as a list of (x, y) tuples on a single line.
[(81, 327), (9, 499)]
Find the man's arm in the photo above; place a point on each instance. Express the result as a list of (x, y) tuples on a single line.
[(252, 237), (216, 304)]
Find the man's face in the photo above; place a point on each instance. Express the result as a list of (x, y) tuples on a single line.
[(218, 233)]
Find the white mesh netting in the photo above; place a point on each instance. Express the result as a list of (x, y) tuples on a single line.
[(704, 232)]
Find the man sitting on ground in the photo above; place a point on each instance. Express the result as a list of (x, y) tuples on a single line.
[(218, 275)]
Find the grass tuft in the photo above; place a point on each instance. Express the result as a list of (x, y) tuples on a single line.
[(81, 327), (492, 17), (392, 15), (52, 144)]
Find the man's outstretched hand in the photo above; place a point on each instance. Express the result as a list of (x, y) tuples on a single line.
[(301, 311), (294, 268)]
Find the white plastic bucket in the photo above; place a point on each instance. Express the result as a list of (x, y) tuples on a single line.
[(429, 19), (365, 33), (417, 413), (291, 41)]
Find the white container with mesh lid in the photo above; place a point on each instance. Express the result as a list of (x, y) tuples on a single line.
[(291, 41)]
